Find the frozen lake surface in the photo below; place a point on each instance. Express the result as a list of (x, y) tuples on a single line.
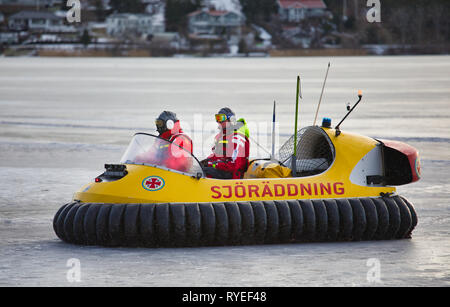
[(62, 119)]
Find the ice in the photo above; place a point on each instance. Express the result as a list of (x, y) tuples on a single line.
[(62, 119)]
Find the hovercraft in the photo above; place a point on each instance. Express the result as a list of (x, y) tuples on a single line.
[(339, 186)]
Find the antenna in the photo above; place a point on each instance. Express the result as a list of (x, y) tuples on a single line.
[(273, 129), (321, 94), (338, 131), (294, 156)]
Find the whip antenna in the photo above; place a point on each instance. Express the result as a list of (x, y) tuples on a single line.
[(294, 156), (321, 94), (273, 130)]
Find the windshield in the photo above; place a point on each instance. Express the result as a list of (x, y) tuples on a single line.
[(152, 150)]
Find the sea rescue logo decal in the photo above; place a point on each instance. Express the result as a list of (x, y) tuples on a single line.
[(268, 189), (153, 183)]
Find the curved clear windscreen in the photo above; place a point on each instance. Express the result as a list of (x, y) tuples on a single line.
[(152, 150)]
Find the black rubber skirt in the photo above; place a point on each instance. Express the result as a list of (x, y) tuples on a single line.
[(235, 223)]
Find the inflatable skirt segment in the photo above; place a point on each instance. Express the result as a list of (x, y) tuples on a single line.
[(235, 223)]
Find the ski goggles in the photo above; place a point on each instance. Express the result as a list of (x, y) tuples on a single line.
[(220, 118)]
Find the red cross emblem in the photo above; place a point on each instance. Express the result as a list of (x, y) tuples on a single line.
[(153, 183)]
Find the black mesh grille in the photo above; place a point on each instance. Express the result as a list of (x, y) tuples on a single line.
[(315, 151)]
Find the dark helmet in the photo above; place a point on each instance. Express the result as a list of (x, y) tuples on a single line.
[(165, 121), (227, 111), (225, 114)]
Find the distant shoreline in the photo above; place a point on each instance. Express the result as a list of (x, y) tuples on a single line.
[(375, 50)]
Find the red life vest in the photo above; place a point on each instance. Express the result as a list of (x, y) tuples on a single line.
[(230, 153), (177, 137), (177, 157)]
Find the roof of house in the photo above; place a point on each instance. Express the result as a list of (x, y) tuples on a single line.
[(308, 4), (34, 14)]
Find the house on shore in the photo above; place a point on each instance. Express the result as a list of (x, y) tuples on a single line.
[(294, 11), (125, 24), (38, 21), (215, 24)]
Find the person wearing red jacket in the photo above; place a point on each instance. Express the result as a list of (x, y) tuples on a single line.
[(229, 159), (169, 128), (174, 151)]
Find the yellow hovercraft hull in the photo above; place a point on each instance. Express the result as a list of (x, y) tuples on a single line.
[(156, 207), (181, 188)]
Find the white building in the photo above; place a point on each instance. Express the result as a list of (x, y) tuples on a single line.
[(216, 23), (125, 24), (37, 21), (298, 10)]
